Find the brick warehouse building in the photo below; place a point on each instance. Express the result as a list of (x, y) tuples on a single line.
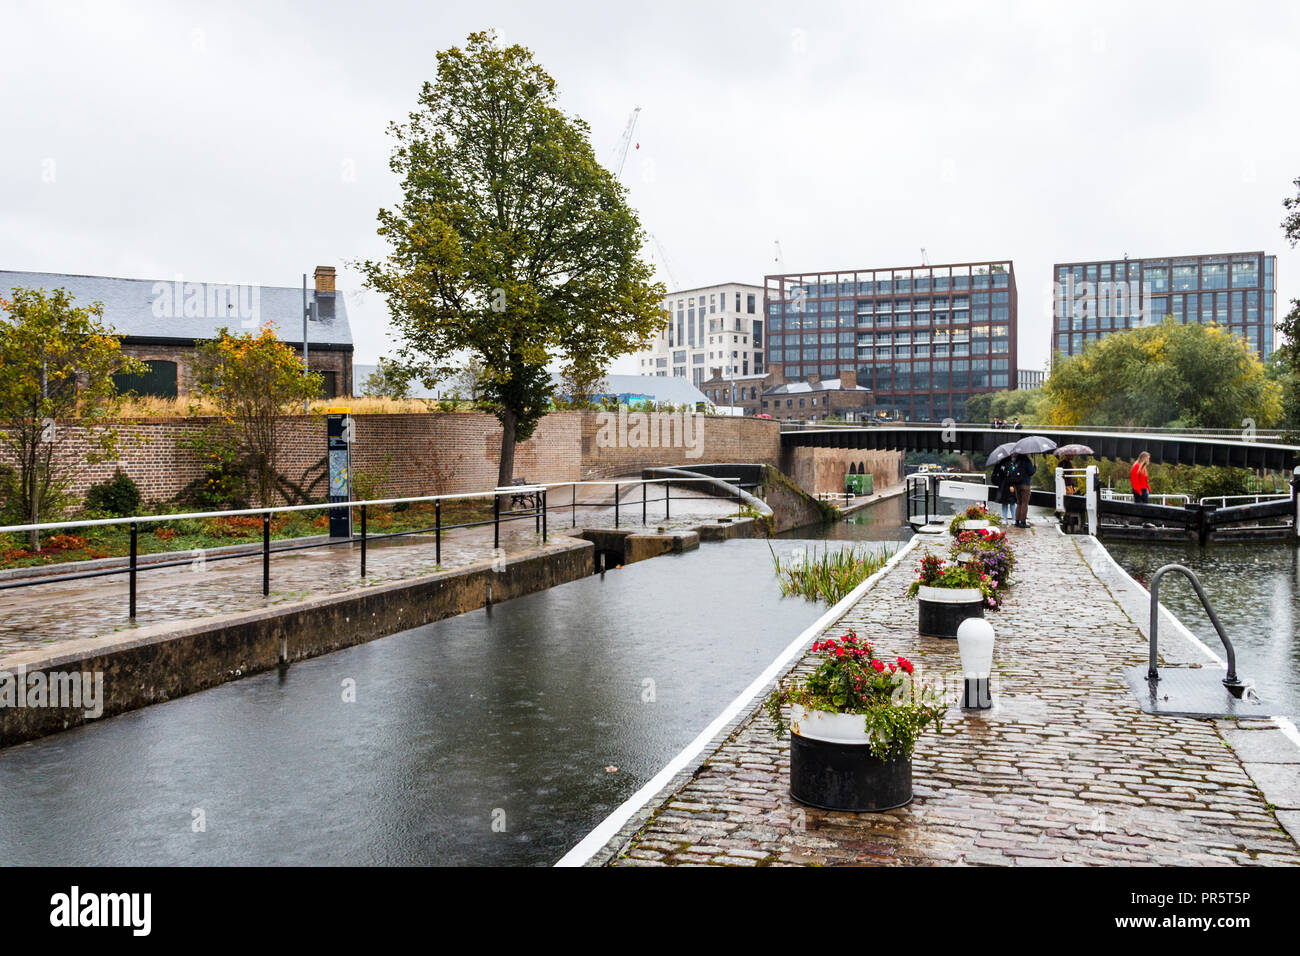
[(923, 338), (161, 322)]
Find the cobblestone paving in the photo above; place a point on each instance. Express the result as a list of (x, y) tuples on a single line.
[(1066, 769), (46, 614)]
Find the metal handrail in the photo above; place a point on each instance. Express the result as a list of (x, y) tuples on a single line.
[(538, 511), (1234, 685), (1254, 499)]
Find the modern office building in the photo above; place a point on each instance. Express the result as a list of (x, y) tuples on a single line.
[(922, 338), (714, 326), (1030, 378), (1093, 299)]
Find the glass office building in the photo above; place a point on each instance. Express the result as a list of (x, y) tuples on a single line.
[(922, 338), (1094, 299)]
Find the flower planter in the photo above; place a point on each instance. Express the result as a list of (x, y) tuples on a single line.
[(831, 766), (940, 611)]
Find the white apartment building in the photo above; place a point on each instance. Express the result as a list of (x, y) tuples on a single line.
[(717, 326)]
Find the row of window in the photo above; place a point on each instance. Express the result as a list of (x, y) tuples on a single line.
[(885, 353), (888, 283), (999, 313), (902, 336), (1178, 275)]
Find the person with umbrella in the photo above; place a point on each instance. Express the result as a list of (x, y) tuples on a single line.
[(1067, 455), (1023, 469), (1000, 460)]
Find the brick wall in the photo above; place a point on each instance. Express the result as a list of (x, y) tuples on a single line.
[(816, 470), (427, 453), (322, 360), (611, 446)]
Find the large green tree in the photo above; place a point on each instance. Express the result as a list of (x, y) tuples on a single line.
[(57, 362), (1167, 374), (1288, 350), (511, 241)]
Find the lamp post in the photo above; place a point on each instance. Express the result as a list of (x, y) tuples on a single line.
[(975, 644)]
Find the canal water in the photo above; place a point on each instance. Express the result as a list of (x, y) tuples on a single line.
[(1255, 590), (497, 737)]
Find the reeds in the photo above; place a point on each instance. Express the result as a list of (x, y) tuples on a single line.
[(830, 574)]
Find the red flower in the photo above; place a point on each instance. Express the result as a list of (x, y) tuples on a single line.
[(878, 665), (905, 664)]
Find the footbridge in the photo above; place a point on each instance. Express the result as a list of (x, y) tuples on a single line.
[(1258, 451)]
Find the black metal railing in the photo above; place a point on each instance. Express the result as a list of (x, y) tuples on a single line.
[(536, 497)]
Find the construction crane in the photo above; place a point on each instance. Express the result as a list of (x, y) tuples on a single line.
[(924, 260), (780, 258), (663, 260), (620, 156)]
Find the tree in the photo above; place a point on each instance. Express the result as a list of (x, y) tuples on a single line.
[(389, 380), (1278, 369), (1023, 403), (57, 361), (511, 241), (1289, 350), (254, 379), (468, 380), (1168, 374)]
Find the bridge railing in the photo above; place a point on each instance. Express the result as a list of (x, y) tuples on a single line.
[(534, 499), (1109, 494), (1162, 431), (1221, 501)]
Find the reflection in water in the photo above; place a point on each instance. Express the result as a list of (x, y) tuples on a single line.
[(483, 738), (1255, 590)]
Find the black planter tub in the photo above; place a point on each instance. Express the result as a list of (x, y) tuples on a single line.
[(940, 611), (839, 774)]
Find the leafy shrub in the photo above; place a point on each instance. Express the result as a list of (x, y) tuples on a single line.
[(1212, 482), (119, 496)]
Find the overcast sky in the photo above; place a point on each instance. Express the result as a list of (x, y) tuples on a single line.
[(246, 141)]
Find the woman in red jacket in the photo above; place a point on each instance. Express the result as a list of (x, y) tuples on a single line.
[(1137, 477)]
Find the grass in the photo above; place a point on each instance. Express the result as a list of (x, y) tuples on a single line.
[(193, 534), (135, 406), (830, 575)]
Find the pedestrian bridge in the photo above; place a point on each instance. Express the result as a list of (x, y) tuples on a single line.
[(1228, 449)]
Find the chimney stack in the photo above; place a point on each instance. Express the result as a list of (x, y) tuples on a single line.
[(848, 378), (325, 280)]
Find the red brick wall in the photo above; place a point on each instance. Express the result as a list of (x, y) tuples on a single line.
[(421, 453), (755, 440), (823, 469)]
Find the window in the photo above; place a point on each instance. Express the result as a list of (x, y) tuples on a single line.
[(160, 381)]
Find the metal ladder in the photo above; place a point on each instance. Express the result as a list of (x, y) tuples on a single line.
[(1235, 686)]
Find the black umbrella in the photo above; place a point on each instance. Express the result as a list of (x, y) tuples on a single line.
[(1073, 451), (1033, 445), (1002, 451)]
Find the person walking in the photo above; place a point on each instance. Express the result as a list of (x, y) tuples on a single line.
[(1001, 478), (1022, 471), (1139, 479)]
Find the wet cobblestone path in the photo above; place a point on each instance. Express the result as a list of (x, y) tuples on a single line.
[(1066, 769)]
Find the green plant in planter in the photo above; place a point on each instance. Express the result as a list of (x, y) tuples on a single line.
[(973, 513), (851, 680), (935, 573)]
